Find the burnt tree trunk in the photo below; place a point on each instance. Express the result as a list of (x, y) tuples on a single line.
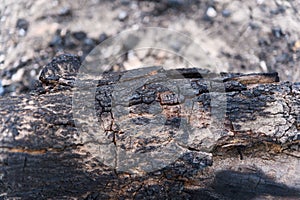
[(151, 134)]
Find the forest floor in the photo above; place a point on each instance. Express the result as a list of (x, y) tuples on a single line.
[(236, 36)]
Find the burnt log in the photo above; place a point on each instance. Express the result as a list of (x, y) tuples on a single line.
[(151, 134)]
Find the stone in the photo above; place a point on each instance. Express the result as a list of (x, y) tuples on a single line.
[(277, 32), (18, 76), (102, 37), (296, 46), (226, 13), (79, 35), (22, 26), (122, 15), (66, 11), (1, 89), (211, 12), (176, 3)]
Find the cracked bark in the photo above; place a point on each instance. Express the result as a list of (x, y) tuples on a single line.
[(177, 134)]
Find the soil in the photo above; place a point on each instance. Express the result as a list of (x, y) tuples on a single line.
[(242, 36)]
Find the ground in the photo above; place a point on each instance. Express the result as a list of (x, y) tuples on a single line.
[(235, 36)]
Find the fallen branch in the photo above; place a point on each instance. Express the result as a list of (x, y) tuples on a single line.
[(151, 133)]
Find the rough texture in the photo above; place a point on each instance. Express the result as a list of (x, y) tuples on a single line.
[(178, 134), (243, 36)]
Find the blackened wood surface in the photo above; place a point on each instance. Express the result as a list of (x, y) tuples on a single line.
[(235, 137)]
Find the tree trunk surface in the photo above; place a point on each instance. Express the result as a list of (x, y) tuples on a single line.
[(151, 134)]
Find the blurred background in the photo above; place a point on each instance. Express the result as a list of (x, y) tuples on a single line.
[(242, 35)]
